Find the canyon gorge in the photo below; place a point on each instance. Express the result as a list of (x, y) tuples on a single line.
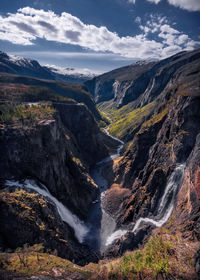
[(104, 174)]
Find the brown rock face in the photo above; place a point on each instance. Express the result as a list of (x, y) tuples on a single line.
[(188, 200), (168, 137), (140, 82)]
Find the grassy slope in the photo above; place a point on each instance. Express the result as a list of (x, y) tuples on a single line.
[(11, 113), (29, 262), (125, 120), (164, 256)]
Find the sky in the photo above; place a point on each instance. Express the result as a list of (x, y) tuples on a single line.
[(99, 35)]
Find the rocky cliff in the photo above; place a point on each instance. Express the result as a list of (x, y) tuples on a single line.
[(53, 143), (140, 83), (163, 134), (154, 185), (57, 150)]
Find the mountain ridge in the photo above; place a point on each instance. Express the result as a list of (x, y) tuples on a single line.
[(24, 66), (126, 84)]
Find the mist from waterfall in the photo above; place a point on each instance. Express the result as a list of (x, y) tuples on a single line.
[(66, 215), (165, 207)]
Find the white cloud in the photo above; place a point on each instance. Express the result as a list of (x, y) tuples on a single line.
[(190, 5), (138, 19), (28, 24), (154, 1), (168, 29), (170, 50), (171, 38)]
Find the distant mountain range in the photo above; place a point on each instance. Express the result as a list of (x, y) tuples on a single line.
[(70, 74), (22, 66)]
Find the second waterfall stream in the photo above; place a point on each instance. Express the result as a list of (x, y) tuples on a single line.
[(165, 208)]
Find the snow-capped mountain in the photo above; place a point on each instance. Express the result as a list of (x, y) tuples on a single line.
[(22, 66), (70, 74)]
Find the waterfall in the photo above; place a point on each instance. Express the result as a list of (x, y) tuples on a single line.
[(165, 208), (107, 227), (65, 214)]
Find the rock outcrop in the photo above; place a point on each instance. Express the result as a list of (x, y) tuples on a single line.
[(29, 218)]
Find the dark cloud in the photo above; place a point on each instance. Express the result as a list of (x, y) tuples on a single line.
[(47, 25), (73, 35), (25, 27)]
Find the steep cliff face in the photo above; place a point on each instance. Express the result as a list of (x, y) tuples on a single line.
[(140, 83), (57, 149), (92, 143), (113, 85), (46, 151), (186, 213), (160, 139), (154, 153), (54, 143)]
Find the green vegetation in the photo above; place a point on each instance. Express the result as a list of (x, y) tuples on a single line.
[(25, 93), (147, 263), (164, 256), (124, 120), (10, 113), (155, 119), (16, 88), (104, 119), (31, 260), (77, 161), (23, 203), (113, 113)]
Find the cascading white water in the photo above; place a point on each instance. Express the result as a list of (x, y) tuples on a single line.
[(72, 220), (165, 208), (100, 223), (107, 227)]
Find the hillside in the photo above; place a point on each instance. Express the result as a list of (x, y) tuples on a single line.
[(24, 88), (139, 83)]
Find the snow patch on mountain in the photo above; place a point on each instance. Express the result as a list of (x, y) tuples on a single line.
[(80, 73)]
